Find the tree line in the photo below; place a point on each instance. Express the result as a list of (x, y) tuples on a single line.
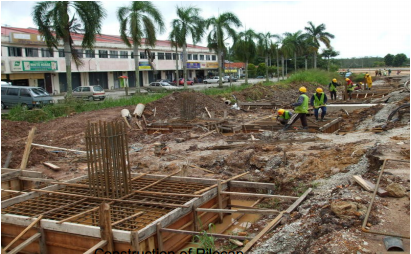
[(141, 22)]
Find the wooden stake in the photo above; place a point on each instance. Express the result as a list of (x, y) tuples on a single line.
[(220, 202), (207, 112), (106, 231), (125, 120), (27, 149), (159, 238), (135, 242)]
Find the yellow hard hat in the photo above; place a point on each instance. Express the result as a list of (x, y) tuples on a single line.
[(367, 75), (319, 90), (347, 79), (281, 111), (302, 89), (334, 80), (360, 83)]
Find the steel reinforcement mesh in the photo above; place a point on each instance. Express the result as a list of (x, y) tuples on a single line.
[(83, 210)]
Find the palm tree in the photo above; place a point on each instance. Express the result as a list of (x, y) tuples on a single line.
[(295, 44), (221, 26), (329, 53), (188, 23), (264, 43), (245, 48), (317, 35), (138, 21), (177, 44), (55, 24)]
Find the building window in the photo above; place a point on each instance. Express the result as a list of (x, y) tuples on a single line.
[(123, 54), (32, 52), (113, 54), (14, 51), (201, 57), (161, 56), (213, 57), (61, 53), (143, 55), (103, 54), (195, 57), (90, 53), (132, 55), (174, 56), (46, 53), (168, 56), (208, 57), (189, 57), (79, 52)]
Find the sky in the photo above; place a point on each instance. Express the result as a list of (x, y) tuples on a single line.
[(361, 28)]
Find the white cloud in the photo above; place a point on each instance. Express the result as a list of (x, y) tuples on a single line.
[(361, 28)]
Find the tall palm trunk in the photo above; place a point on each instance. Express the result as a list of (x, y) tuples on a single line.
[(278, 64), (266, 68), (305, 62), (282, 65), (315, 59), (328, 64), (220, 69), (246, 72), (185, 65), (295, 61), (176, 77), (67, 51), (137, 66)]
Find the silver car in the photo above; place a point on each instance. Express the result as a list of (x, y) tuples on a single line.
[(89, 93)]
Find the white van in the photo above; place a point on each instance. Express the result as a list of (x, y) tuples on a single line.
[(25, 96)]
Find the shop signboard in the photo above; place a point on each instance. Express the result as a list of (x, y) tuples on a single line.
[(213, 65), (34, 66), (144, 66), (193, 65)]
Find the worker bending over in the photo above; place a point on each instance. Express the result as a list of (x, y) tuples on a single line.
[(350, 87), (318, 101), (300, 110), (283, 116)]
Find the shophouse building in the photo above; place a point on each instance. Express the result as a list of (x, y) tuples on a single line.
[(26, 61)]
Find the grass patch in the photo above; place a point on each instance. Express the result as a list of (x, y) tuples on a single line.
[(317, 77)]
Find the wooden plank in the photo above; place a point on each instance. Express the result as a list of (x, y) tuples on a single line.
[(24, 244), (206, 170), (23, 232), (27, 149), (93, 249), (236, 242), (369, 186), (43, 180), (258, 211), (105, 226), (168, 193), (298, 201), (52, 166), (58, 148), (225, 181), (10, 175), (257, 195), (186, 232)]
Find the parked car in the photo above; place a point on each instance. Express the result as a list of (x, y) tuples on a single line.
[(260, 77), (25, 96), (228, 78), (89, 93), (165, 80), (215, 79), (5, 83), (160, 87), (181, 82)]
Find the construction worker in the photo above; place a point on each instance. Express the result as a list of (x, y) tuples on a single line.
[(283, 116), (368, 80), (300, 110), (318, 101), (350, 87), (333, 88)]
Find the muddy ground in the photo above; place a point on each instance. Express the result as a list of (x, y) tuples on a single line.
[(294, 161)]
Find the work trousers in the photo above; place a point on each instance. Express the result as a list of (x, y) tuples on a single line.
[(323, 112), (333, 95), (295, 117)]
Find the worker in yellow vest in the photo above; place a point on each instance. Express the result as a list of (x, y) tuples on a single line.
[(283, 116), (318, 101), (300, 110), (368, 80)]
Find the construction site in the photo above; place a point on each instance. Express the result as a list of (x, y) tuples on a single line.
[(191, 173)]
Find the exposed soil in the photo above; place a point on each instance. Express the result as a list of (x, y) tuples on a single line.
[(294, 161)]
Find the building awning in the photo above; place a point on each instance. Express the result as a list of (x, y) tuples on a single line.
[(16, 76)]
